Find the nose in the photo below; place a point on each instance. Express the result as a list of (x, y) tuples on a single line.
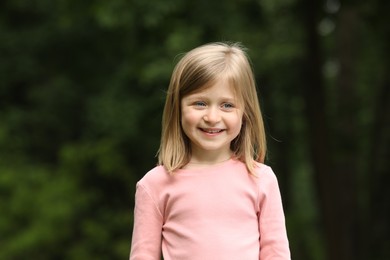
[(212, 115)]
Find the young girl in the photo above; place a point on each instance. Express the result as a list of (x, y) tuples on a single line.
[(211, 197)]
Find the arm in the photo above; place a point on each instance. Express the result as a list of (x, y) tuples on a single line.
[(146, 240), (273, 235)]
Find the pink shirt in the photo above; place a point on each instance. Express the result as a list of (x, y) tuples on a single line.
[(221, 212)]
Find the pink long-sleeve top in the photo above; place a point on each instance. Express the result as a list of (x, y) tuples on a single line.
[(221, 212)]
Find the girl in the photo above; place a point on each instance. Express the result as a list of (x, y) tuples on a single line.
[(211, 197)]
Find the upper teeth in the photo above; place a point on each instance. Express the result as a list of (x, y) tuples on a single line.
[(213, 131)]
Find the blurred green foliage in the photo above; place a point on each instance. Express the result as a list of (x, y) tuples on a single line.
[(81, 95)]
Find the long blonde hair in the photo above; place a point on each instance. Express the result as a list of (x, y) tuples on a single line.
[(197, 70)]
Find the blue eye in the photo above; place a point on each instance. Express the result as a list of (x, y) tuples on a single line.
[(227, 106), (200, 104)]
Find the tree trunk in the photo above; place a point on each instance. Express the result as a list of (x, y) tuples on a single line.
[(318, 138), (333, 149), (346, 137), (379, 175)]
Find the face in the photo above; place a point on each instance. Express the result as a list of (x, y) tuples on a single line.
[(211, 119)]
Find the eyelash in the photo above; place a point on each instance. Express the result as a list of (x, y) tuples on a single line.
[(227, 105), (199, 103), (224, 105)]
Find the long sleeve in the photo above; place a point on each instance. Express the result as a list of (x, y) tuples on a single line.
[(273, 236), (148, 220), (219, 212)]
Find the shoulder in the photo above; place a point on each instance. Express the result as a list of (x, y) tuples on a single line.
[(262, 169), (265, 175), (155, 178)]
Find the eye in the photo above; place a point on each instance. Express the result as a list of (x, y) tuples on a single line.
[(199, 104), (227, 106)]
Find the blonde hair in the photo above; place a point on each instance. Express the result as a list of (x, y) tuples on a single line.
[(197, 70)]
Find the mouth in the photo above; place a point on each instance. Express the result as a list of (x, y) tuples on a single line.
[(211, 130)]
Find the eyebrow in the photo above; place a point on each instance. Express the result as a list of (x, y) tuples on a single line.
[(195, 96)]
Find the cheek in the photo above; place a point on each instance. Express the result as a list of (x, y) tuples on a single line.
[(236, 124), (189, 119)]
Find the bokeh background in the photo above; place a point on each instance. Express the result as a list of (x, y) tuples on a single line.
[(82, 86)]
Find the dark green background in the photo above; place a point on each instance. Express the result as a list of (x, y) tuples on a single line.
[(82, 88)]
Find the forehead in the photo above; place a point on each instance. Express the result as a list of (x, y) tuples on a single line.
[(221, 89)]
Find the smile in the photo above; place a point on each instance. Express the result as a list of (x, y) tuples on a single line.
[(211, 131)]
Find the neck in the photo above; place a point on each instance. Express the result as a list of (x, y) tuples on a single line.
[(201, 164), (209, 158), (209, 162)]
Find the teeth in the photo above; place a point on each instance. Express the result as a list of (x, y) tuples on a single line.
[(213, 131)]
